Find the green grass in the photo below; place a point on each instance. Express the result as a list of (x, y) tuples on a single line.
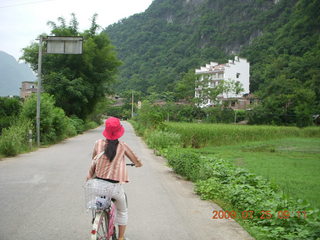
[(202, 134), (291, 163)]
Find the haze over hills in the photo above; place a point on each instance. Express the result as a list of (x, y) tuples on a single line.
[(12, 73)]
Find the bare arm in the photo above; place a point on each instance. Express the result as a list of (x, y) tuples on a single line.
[(132, 156), (91, 170), (93, 163)]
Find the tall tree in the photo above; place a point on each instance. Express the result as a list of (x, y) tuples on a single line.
[(78, 82)]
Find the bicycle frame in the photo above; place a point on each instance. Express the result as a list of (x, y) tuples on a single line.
[(107, 215), (102, 219)]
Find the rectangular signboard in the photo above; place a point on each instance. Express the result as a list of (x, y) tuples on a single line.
[(64, 45)]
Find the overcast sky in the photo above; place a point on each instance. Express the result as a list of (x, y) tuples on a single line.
[(21, 21)]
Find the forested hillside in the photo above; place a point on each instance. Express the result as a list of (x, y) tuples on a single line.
[(173, 36), (280, 38)]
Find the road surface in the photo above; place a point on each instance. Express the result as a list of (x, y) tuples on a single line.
[(41, 197)]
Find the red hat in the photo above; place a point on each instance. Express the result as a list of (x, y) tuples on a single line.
[(113, 129)]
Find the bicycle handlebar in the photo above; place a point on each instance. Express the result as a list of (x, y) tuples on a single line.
[(130, 164)]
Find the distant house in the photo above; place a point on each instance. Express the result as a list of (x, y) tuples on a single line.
[(27, 89), (237, 70)]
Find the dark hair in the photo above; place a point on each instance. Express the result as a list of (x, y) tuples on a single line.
[(111, 149)]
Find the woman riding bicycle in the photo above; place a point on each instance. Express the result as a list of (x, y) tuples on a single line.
[(111, 166)]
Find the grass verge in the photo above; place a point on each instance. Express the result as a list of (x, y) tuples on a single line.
[(291, 163)]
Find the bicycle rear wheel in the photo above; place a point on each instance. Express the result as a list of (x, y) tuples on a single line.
[(100, 226), (114, 235), (111, 218)]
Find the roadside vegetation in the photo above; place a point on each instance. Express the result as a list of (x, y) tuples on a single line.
[(18, 135), (74, 91), (264, 177)]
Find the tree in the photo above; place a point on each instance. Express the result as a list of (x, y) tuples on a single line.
[(284, 102), (208, 92), (184, 89), (78, 82)]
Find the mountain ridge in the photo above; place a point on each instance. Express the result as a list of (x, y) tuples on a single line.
[(13, 74)]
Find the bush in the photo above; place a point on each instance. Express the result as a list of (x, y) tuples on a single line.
[(240, 115), (219, 115), (78, 124), (54, 124), (9, 110), (182, 113), (149, 116), (7, 121), (193, 166), (14, 139), (116, 111), (90, 125)]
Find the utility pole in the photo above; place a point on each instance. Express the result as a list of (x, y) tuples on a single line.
[(132, 104), (39, 91)]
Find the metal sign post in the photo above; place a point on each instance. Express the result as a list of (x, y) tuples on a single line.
[(55, 45), (39, 91), (132, 104)]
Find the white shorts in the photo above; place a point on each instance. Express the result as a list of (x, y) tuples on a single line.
[(122, 206)]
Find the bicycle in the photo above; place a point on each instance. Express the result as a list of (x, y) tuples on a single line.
[(103, 209)]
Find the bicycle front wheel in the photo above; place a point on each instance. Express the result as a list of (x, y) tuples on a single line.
[(100, 227)]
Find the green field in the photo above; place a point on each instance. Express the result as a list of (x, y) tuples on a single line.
[(287, 156), (291, 163), (203, 134)]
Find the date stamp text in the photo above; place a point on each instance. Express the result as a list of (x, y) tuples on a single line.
[(264, 214)]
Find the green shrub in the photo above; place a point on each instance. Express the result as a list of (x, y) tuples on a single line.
[(14, 139), (219, 115), (240, 115), (90, 125), (7, 121), (78, 124), (195, 167), (182, 113), (185, 163), (149, 116), (54, 124), (116, 111), (9, 111), (211, 189)]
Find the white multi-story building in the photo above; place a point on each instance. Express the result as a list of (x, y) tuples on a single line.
[(237, 70)]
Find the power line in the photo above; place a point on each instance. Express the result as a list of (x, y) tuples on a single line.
[(26, 3)]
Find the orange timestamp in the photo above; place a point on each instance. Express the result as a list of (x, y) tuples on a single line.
[(248, 214)]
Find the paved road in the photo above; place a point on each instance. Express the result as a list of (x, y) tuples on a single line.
[(41, 197)]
